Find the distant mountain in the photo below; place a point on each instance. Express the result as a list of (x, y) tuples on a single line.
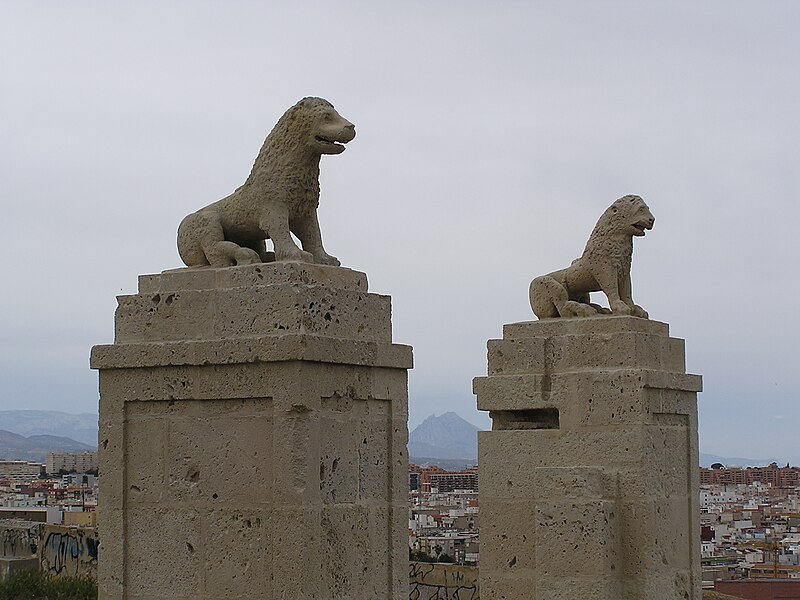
[(444, 437), (80, 427), (34, 448), (706, 460)]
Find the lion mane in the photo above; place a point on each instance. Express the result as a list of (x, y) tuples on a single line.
[(605, 265), (279, 197)]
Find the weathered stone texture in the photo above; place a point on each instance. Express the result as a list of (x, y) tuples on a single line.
[(251, 446), (589, 476)]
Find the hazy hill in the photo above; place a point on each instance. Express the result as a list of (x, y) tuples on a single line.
[(706, 460), (34, 448), (79, 427), (447, 436)]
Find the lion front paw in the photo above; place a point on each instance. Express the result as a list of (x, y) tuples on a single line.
[(327, 259), (620, 308), (295, 255), (601, 310), (638, 311)]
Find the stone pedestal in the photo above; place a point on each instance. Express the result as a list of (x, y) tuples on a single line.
[(253, 430), (590, 474)]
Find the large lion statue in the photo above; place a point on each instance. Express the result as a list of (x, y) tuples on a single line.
[(604, 266), (280, 197)]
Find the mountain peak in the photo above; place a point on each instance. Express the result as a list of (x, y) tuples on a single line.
[(447, 436)]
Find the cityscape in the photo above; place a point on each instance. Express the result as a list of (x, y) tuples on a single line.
[(749, 516)]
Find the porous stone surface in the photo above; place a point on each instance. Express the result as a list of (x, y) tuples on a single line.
[(605, 265), (253, 431), (280, 197), (589, 480)]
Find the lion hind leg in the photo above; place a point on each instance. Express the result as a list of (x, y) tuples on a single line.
[(190, 248), (201, 241), (546, 295), (549, 299)]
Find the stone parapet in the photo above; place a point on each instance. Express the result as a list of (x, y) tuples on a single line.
[(253, 431), (589, 476)]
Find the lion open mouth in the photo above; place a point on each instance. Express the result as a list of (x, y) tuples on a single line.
[(319, 138), (641, 226)]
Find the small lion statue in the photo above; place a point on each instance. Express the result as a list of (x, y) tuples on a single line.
[(604, 266), (280, 197)]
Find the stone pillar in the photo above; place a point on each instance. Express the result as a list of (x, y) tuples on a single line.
[(253, 430), (590, 474)]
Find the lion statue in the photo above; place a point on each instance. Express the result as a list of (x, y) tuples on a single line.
[(280, 197), (604, 266)]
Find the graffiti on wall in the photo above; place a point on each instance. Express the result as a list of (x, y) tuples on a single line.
[(69, 551), (19, 539), (429, 581)]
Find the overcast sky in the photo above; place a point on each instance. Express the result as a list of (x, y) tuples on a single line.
[(490, 138)]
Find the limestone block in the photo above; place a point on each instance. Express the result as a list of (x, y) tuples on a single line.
[(237, 551), (146, 459), (579, 533), (347, 552), (299, 347), (574, 352), (629, 394), (248, 276), (398, 556), (508, 536), (296, 536), (658, 536), (206, 314), (111, 556), (219, 460), (600, 325), (571, 587), (594, 440), (274, 461), (574, 483), (163, 532), (340, 464), (509, 587)]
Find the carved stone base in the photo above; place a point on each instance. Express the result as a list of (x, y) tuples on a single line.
[(253, 438), (590, 475)]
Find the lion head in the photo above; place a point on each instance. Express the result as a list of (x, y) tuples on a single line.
[(628, 216), (311, 127)]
